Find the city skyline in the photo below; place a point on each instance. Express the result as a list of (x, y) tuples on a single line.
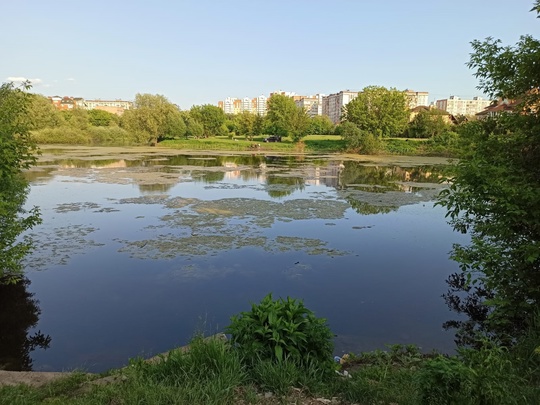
[(202, 52)]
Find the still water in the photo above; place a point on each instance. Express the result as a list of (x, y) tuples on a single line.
[(137, 253)]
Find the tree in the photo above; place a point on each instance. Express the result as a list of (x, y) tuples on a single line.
[(245, 123), (321, 125), (495, 196), (17, 152), (427, 124), (42, 113), (102, 118), (284, 118), (76, 118), (194, 129), (153, 118), (378, 110), (508, 72), (211, 117), (356, 139)]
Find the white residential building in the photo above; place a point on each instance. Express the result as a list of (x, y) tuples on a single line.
[(228, 105), (260, 105), (312, 104), (457, 106), (246, 104), (332, 105), (417, 98), (92, 104)]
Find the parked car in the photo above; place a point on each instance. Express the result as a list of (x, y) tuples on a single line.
[(273, 138)]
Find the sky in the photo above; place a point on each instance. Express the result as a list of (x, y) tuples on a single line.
[(202, 51)]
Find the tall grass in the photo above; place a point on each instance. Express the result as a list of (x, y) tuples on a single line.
[(212, 372)]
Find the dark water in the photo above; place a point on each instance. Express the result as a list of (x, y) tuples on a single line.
[(128, 264)]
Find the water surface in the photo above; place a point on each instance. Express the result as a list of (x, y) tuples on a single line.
[(137, 253)]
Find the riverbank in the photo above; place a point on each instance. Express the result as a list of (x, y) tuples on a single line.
[(59, 152), (212, 373)]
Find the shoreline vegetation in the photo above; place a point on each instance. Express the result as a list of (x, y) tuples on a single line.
[(212, 370), (311, 144), (279, 352)]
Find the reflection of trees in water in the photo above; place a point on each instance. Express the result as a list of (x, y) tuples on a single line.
[(19, 312), (212, 177), (365, 208), (155, 188), (385, 177), (279, 186)]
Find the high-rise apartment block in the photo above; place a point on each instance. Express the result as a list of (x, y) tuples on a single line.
[(457, 106), (332, 105), (312, 104), (233, 105), (417, 98)]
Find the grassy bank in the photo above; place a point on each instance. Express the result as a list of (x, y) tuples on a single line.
[(310, 144), (313, 144), (213, 372)]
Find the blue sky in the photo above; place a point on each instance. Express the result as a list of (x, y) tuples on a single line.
[(198, 52)]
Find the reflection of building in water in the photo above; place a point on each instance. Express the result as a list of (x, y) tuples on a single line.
[(232, 174), (120, 163), (95, 165), (323, 175)]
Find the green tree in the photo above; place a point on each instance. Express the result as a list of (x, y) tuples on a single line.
[(495, 197), (153, 118), (378, 110), (357, 140), (245, 124), (284, 118), (211, 117), (42, 113), (427, 124), (258, 125), (17, 152), (320, 125), (101, 118), (194, 129), (76, 118)]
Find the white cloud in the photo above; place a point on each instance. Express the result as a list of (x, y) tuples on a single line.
[(70, 79), (20, 79)]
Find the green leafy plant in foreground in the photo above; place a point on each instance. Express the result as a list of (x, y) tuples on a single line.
[(282, 329)]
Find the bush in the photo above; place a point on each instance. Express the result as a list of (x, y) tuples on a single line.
[(64, 135), (445, 380), (282, 330), (358, 140), (110, 135)]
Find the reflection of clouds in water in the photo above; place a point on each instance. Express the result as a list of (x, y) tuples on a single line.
[(199, 272), (297, 270)]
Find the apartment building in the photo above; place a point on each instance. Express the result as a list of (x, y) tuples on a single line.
[(312, 104), (113, 106), (233, 105), (332, 105), (91, 104), (66, 103), (417, 98), (259, 105), (457, 106)]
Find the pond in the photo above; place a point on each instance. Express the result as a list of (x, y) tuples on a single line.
[(141, 249)]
